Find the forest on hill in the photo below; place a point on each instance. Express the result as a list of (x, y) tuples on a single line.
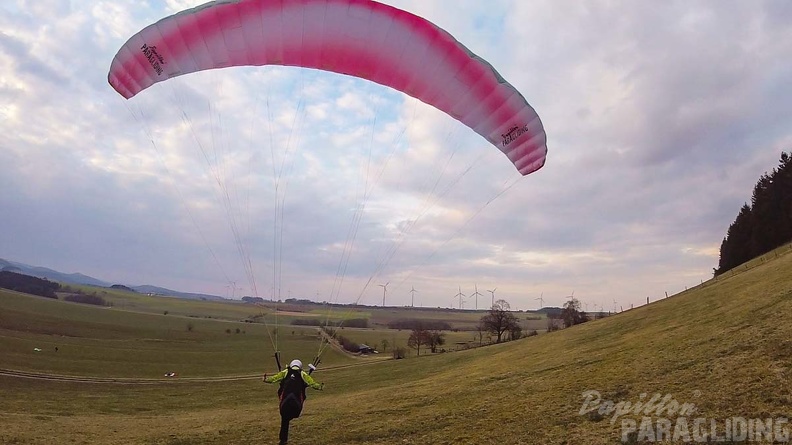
[(764, 224)]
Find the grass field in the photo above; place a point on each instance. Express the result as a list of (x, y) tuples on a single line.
[(725, 346), (95, 341)]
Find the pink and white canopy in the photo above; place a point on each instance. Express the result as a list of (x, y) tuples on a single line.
[(360, 38)]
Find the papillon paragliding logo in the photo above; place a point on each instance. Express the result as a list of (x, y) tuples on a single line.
[(514, 133), (154, 58)]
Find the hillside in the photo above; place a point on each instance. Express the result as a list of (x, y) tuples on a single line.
[(81, 279), (723, 346), (54, 275)]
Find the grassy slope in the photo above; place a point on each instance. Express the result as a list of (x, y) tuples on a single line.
[(724, 346)]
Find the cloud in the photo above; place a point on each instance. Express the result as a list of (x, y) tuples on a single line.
[(660, 118)]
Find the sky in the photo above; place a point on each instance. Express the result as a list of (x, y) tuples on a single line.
[(294, 183)]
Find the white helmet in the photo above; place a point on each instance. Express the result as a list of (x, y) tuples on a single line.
[(296, 363)]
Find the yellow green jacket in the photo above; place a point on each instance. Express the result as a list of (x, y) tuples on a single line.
[(282, 375)]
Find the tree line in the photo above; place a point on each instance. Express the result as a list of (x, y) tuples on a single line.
[(349, 323), (29, 285), (499, 322), (763, 225), (45, 288)]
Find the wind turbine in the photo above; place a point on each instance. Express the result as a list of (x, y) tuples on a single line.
[(476, 294), (384, 291), (541, 300), (233, 287), (493, 295), (412, 301), (460, 295), (614, 306)]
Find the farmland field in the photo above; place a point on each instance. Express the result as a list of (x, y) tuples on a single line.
[(142, 336), (723, 346)]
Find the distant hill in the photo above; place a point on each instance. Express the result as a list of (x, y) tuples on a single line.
[(154, 290), (122, 287), (78, 278), (550, 311), (52, 275)]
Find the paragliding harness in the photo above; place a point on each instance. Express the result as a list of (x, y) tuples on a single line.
[(291, 392), (311, 368)]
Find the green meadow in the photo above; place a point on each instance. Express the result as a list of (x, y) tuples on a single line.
[(724, 347)]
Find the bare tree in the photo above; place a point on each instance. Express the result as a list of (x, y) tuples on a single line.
[(551, 324), (399, 352), (499, 320), (384, 344), (572, 314), (515, 332), (435, 339), (418, 337), (480, 330)]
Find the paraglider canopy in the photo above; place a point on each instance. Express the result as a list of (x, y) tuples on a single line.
[(359, 38)]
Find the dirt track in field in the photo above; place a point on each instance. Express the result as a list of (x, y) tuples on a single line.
[(168, 380), (146, 381)]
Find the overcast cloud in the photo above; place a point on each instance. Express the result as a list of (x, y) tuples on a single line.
[(660, 118)]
